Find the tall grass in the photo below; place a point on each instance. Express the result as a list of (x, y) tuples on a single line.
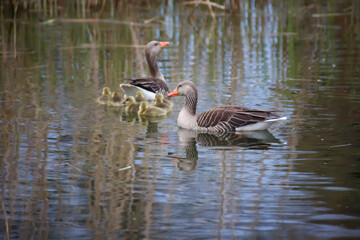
[(52, 8)]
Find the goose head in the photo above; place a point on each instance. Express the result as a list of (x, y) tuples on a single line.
[(185, 88), (188, 89), (151, 51), (154, 47)]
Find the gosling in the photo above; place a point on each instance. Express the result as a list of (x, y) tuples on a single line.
[(162, 103), (116, 99), (139, 96), (131, 105), (105, 96), (151, 111)]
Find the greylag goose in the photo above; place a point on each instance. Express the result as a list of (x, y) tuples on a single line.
[(131, 105), (146, 110), (105, 96), (116, 99), (160, 102), (156, 83), (222, 118)]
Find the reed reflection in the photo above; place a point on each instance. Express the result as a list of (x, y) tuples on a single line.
[(73, 169)]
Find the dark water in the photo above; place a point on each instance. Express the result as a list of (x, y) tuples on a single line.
[(72, 169)]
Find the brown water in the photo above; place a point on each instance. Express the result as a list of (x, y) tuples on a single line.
[(72, 169)]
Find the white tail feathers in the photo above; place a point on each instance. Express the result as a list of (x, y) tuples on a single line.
[(260, 125), (276, 119), (130, 90)]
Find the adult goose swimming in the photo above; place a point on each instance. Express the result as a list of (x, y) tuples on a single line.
[(222, 118), (156, 83)]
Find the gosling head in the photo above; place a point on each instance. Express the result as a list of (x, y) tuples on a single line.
[(129, 100), (142, 107), (116, 96), (139, 96), (106, 91), (159, 98)]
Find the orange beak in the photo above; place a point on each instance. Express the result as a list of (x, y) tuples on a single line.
[(174, 93), (164, 44)]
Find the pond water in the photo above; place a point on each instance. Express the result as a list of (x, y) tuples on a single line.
[(73, 169)]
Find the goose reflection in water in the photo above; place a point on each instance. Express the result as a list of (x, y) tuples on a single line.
[(249, 139)]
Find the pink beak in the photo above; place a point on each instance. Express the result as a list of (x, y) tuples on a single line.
[(164, 44)]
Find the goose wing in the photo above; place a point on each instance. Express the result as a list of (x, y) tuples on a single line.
[(231, 117), (154, 85)]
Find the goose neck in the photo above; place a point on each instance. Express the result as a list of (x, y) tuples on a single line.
[(191, 102), (153, 66)]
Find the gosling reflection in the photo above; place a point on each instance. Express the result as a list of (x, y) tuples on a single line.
[(152, 125), (189, 139), (146, 120)]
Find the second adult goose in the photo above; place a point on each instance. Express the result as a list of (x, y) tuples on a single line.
[(222, 118), (156, 83)]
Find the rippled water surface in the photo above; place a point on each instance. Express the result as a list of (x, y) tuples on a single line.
[(73, 169)]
